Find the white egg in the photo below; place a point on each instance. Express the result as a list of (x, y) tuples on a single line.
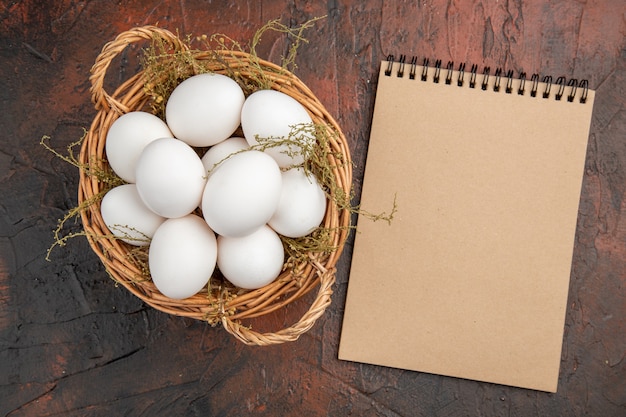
[(220, 152), (242, 194), (204, 109), (251, 261), (127, 137), (182, 256), (272, 116), (170, 177), (302, 204), (127, 217)]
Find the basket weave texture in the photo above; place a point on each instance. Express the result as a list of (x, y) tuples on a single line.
[(220, 303)]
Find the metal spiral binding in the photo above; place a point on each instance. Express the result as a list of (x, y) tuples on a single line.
[(535, 80), (401, 69), (449, 68), (425, 69), (485, 82), (413, 68), (461, 74), (389, 65), (560, 84), (509, 81), (472, 81), (573, 84), (437, 71), (496, 85)]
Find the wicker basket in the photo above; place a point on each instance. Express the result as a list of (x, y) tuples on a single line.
[(221, 303)]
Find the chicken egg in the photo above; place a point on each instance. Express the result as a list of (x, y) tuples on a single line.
[(220, 152), (127, 217), (252, 261), (170, 177), (204, 109), (242, 194), (127, 137), (271, 115), (302, 204), (182, 256)]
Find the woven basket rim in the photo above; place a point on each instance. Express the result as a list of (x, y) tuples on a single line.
[(219, 305)]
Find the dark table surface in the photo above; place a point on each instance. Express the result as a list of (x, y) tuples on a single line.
[(72, 343)]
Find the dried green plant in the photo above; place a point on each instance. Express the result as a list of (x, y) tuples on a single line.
[(164, 68)]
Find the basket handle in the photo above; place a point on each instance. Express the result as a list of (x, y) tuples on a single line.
[(289, 334), (100, 98)]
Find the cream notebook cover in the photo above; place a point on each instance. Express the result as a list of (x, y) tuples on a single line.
[(470, 279)]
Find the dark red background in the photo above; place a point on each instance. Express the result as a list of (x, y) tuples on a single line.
[(74, 344)]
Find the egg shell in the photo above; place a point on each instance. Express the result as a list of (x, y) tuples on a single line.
[(127, 217), (204, 109), (128, 136), (302, 204), (252, 261), (170, 177), (220, 152), (272, 115), (182, 256), (242, 194)]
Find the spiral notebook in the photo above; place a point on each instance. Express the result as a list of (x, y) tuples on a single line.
[(470, 278)]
